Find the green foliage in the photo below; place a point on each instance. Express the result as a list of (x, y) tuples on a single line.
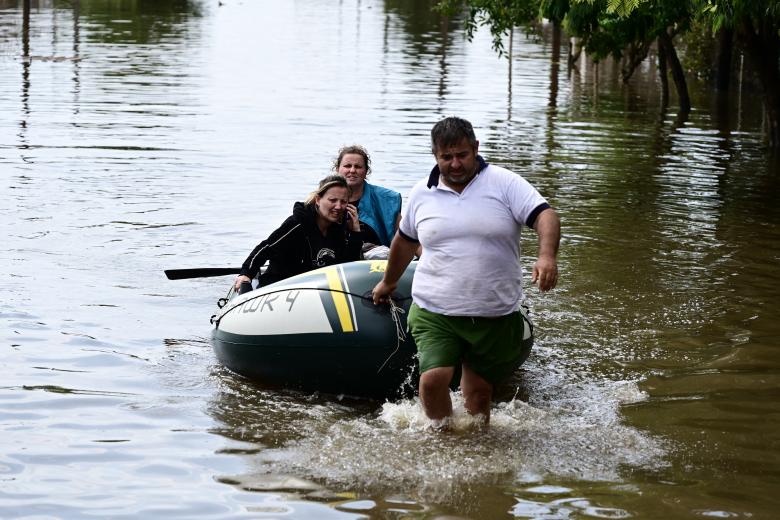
[(500, 16), (583, 17), (449, 7), (613, 27), (729, 13), (623, 8), (554, 10), (699, 46)]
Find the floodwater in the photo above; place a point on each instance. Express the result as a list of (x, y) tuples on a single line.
[(142, 136)]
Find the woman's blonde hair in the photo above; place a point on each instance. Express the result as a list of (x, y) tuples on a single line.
[(331, 181)]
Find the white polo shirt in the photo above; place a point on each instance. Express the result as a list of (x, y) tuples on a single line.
[(470, 264)]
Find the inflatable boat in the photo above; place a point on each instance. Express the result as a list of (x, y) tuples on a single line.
[(320, 331)]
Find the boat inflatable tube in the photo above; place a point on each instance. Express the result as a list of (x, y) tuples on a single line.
[(320, 331)]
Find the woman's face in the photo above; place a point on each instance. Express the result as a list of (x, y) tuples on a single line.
[(353, 168), (333, 203)]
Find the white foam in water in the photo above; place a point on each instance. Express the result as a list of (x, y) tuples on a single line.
[(408, 415), (580, 436)]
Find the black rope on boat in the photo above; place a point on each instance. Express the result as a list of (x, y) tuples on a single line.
[(395, 311)]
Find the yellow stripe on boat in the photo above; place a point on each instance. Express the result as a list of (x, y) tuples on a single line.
[(378, 266), (339, 299)]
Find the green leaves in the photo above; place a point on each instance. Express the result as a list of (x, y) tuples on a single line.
[(623, 8), (500, 16)]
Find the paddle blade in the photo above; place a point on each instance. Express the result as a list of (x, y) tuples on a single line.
[(181, 274)]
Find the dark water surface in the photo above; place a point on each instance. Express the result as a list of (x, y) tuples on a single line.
[(141, 136)]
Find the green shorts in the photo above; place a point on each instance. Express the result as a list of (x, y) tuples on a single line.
[(491, 347)]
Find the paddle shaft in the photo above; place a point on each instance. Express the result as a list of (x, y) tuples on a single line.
[(181, 274)]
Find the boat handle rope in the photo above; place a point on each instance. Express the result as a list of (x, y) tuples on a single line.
[(395, 312), (400, 333), (224, 301)]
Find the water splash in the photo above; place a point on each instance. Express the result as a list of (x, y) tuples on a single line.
[(580, 436)]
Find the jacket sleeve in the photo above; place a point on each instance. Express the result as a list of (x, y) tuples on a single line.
[(265, 249), (368, 234), (354, 246)]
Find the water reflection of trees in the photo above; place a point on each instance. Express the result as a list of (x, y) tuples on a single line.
[(419, 19), (139, 22), (429, 36), (136, 21), (119, 21)]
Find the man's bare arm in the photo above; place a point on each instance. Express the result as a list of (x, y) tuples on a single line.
[(401, 253), (545, 270)]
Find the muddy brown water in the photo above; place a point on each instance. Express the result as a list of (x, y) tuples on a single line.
[(138, 137)]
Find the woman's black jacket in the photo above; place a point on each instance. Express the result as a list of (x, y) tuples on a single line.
[(299, 246)]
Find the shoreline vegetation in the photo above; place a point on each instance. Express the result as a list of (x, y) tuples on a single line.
[(721, 40)]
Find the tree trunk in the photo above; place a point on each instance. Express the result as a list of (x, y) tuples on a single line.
[(26, 29), (554, 63), (445, 35), (25, 61), (677, 71), (725, 51), (663, 72), (634, 56), (511, 44), (575, 49), (763, 49)]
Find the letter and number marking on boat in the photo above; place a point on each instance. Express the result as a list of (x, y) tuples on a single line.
[(286, 311), (291, 297)]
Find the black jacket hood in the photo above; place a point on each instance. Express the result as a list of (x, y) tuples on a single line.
[(304, 213)]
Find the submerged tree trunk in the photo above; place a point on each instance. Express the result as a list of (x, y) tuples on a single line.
[(634, 56), (762, 45), (576, 45), (554, 63), (511, 44), (25, 62), (677, 71), (663, 72), (725, 51), (26, 29), (445, 34)]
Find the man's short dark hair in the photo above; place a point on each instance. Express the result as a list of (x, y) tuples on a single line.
[(450, 131)]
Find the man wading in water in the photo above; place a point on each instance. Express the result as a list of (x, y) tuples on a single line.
[(467, 288)]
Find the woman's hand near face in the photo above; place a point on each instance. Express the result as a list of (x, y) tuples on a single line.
[(354, 223)]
